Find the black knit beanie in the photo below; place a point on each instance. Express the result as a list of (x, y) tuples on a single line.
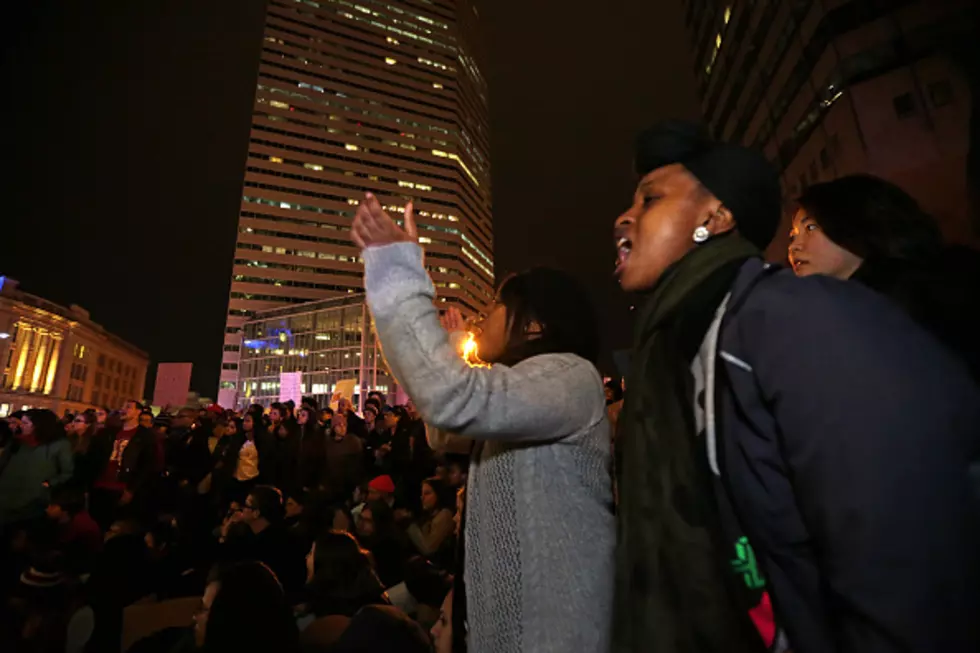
[(745, 182)]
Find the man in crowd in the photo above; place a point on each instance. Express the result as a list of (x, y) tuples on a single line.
[(344, 453), (266, 539), (78, 536), (833, 487), (127, 480)]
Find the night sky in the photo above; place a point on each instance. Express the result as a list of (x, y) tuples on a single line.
[(125, 128)]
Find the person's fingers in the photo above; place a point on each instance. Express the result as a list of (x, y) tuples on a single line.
[(356, 237), (373, 206), (410, 227)]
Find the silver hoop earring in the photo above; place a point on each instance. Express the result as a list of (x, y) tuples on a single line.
[(701, 234)]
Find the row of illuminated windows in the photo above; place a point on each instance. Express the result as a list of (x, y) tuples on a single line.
[(358, 148), (306, 269), (360, 123), (351, 108), (319, 167), (391, 61), (352, 202), (348, 147), (321, 64), (367, 20), (391, 101), (382, 88), (359, 112), (322, 255), (338, 185)]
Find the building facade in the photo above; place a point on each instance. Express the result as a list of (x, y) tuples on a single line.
[(353, 97), (58, 358), (327, 341), (828, 88)]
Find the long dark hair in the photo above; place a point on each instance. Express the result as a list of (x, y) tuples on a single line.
[(445, 495), (342, 570), (872, 218), (250, 612), (559, 304), (80, 443), (47, 426)]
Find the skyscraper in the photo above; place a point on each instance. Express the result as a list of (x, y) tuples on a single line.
[(371, 95), (833, 87)]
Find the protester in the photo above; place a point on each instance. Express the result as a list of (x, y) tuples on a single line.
[(377, 533), (39, 459), (432, 533), (341, 576), (286, 442), (545, 458), (312, 461), (843, 447), (79, 537), (343, 460), (267, 540), (244, 609), (382, 489), (146, 419), (82, 430), (868, 230), (126, 482)]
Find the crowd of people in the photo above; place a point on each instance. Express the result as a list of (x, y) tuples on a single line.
[(285, 529), (791, 465)]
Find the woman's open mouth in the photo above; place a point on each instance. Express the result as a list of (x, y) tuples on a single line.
[(624, 246)]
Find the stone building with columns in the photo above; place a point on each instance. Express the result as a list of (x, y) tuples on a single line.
[(58, 358)]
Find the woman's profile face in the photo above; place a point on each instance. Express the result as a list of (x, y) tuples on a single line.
[(492, 339), (812, 252)]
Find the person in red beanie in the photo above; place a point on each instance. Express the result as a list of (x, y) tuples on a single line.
[(382, 488)]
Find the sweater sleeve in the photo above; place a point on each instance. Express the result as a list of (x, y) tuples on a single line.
[(529, 401)]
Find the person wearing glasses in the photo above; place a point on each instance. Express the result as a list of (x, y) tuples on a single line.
[(266, 538)]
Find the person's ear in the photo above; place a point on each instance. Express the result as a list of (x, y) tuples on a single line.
[(720, 221)]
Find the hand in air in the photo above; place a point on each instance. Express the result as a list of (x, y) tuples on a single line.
[(374, 228), (452, 321)]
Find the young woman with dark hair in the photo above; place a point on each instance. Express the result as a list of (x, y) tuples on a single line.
[(431, 534), (82, 432), (542, 459), (39, 459), (342, 579), (866, 229), (376, 531)]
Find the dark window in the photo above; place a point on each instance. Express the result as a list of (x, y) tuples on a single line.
[(941, 93), (232, 347), (904, 105), (229, 366), (824, 158)]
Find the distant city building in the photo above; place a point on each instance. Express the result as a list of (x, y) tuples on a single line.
[(58, 358), (353, 97), (327, 341), (834, 87)]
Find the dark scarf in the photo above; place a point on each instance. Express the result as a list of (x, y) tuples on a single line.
[(674, 589)]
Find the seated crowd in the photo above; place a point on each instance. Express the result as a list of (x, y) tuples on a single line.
[(296, 529)]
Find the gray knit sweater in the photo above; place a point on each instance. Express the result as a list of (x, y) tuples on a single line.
[(540, 529)]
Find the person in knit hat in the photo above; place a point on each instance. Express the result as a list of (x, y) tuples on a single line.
[(793, 454), (382, 488)]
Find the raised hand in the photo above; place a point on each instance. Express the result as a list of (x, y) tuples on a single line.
[(452, 321), (374, 228)]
